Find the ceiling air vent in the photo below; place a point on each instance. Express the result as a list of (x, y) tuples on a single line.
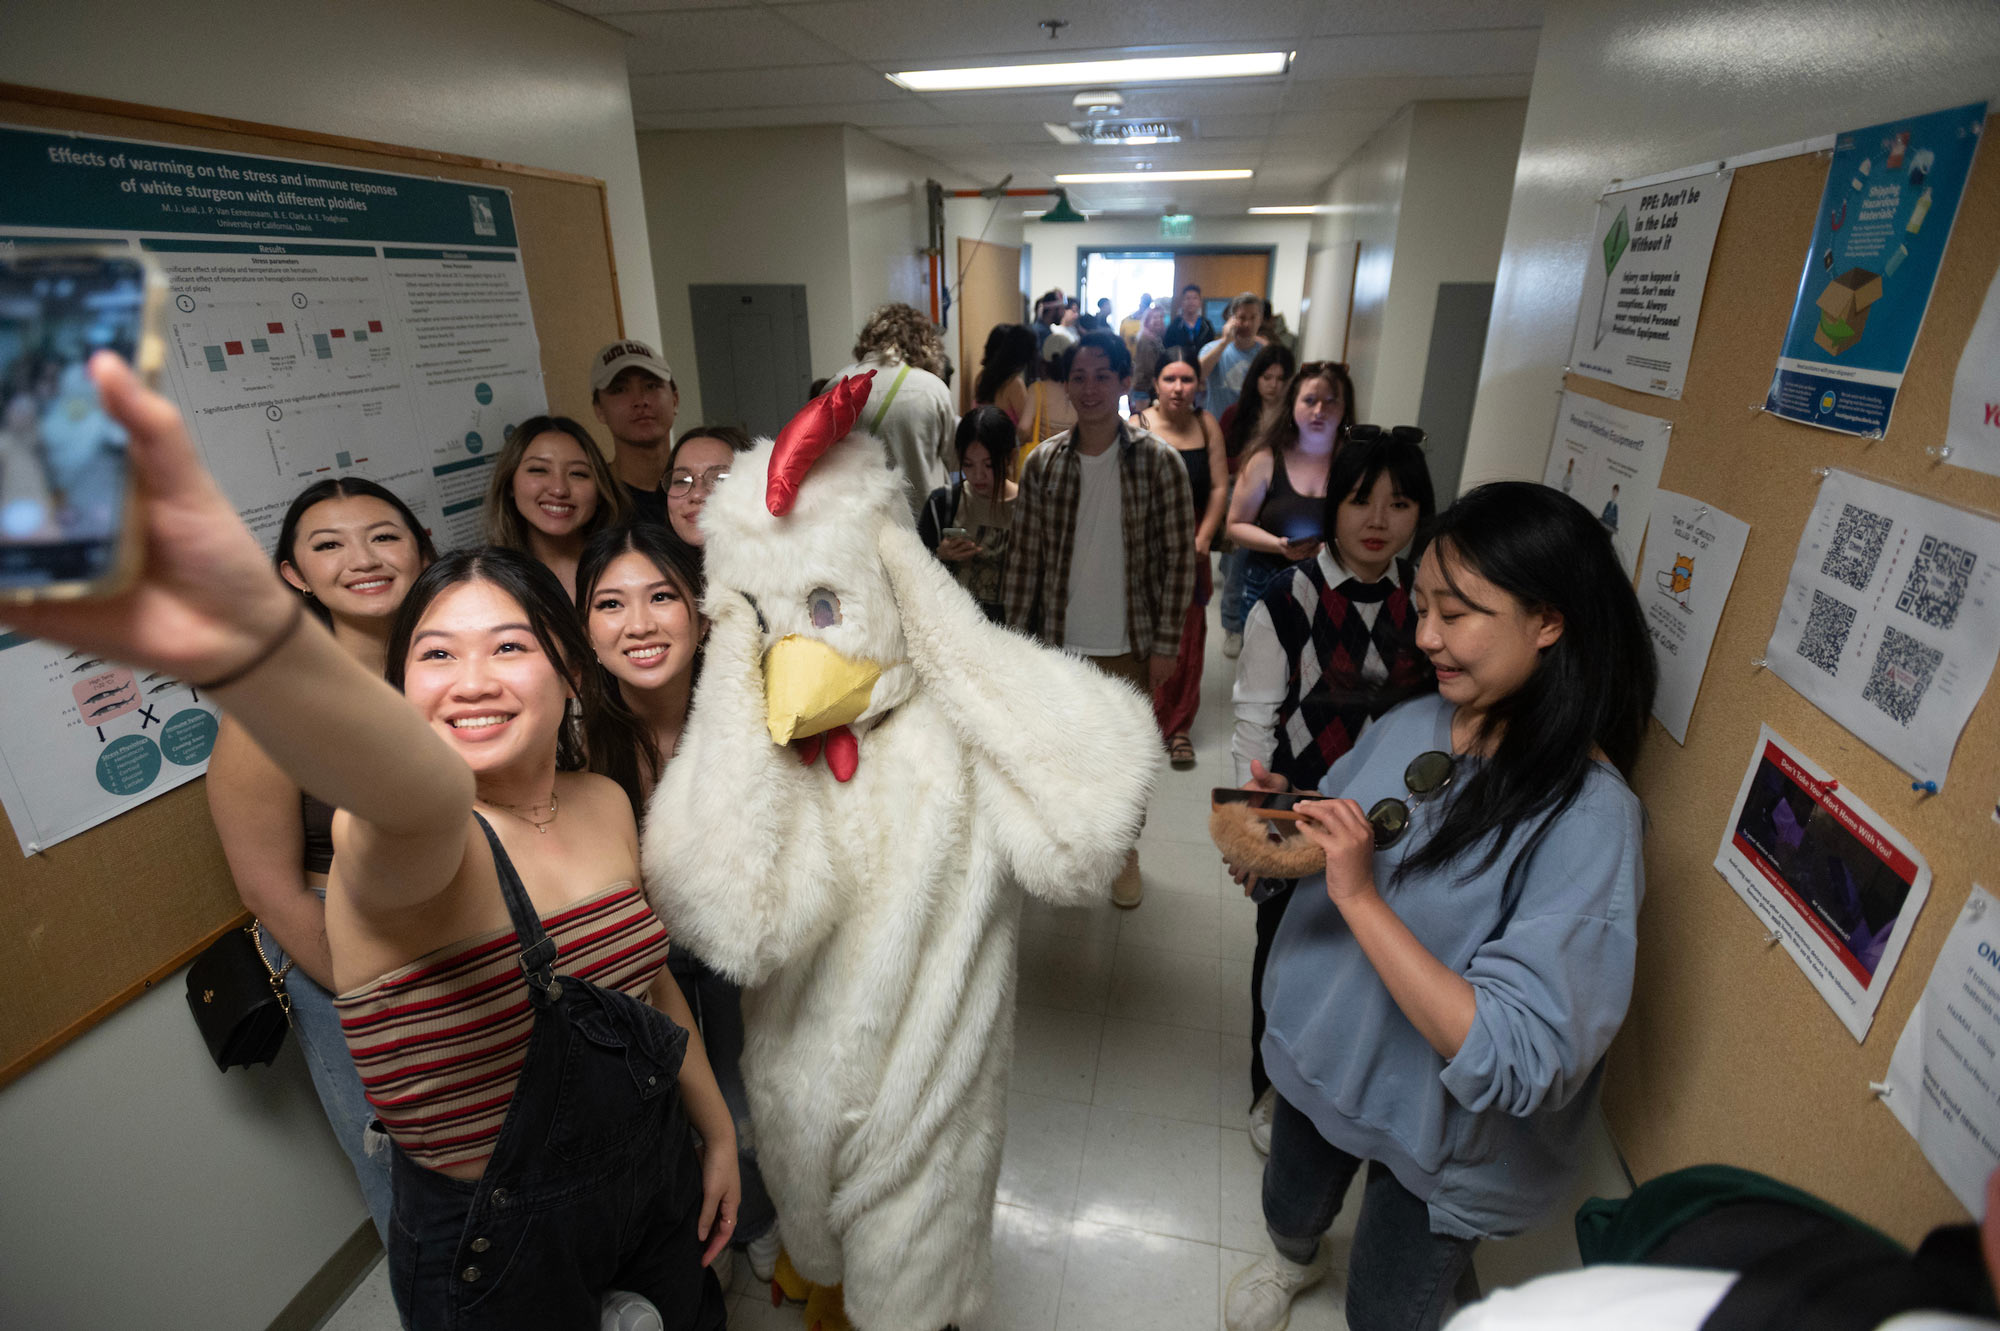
[(1130, 133)]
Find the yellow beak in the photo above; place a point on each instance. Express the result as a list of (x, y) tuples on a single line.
[(810, 688)]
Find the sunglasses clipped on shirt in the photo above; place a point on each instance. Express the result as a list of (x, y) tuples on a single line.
[(683, 481)]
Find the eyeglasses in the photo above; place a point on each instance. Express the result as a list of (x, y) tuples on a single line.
[(684, 481), (1427, 774)]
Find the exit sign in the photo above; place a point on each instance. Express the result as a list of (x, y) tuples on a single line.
[(1177, 226)]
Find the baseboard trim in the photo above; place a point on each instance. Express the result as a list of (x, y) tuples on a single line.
[(337, 1278)]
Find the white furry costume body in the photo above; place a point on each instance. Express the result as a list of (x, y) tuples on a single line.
[(873, 922)]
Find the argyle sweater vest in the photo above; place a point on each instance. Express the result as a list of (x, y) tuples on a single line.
[(1327, 643)]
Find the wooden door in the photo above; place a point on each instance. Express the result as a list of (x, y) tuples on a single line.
[(989, 294), (1222, 276)]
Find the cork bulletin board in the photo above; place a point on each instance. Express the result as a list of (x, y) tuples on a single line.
[(98, 919), (1729, 1055)]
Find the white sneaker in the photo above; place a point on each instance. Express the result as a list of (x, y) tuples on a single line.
[(1232, 645), (623, 1310), (1260, 1298), (764, 1255), (1260, 1121)]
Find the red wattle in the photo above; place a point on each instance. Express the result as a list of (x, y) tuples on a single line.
[(808, 749), (823, 422), (843, 753)]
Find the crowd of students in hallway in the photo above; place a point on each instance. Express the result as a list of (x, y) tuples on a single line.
[(1467, 687)]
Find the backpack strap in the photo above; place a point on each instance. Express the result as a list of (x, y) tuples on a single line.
[(883, 411)]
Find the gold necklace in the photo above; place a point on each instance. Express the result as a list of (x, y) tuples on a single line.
[(526, 812)]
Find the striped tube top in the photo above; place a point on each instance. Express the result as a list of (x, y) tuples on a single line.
[(439, 1043)]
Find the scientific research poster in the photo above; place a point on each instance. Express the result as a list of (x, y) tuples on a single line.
[(1944, 1077), (1972, 431), (1642, 284), (1692, 551), (323, 322), (1892, 192), (1609, 460), (1839, 886), (1891, 618)]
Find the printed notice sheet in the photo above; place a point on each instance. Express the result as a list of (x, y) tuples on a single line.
[(324, 322), (1839, 886), (1692, 551), (1891, 195), (1609, 460), (1891, 618), (1944, 1078), (1643, 281), (1972, 431)]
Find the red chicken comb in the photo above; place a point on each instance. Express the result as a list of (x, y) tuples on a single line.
[(824, 421)]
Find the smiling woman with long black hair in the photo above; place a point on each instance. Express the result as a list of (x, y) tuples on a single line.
[(1440, 1003)]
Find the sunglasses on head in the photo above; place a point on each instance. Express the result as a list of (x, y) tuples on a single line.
[(1402, 434)]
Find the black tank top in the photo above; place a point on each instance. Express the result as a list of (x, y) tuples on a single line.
[(1286, 513), (317, 815), (1196, 462)]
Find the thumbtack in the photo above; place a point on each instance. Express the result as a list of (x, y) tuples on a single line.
[(1773, 938), (1831, 784), (1701, 513), (1758, 663), (1880, 1089), (1927, 787), (1822, 472), (1937, 452)]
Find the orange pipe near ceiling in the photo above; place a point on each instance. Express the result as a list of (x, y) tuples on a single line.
[(934, 286), (1005, 193)]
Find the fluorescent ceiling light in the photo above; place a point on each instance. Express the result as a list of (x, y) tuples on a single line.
[(1145, 69), (1290, 208), (1115, 177)]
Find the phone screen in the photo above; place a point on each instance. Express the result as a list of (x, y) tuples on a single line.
[(1265, 803), (62, 459)]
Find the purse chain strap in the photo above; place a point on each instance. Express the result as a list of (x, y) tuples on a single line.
[(277, 973)]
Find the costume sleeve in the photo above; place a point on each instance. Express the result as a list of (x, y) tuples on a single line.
[(1021, 574), (735, 848), (1261, 672), (1552, 989), (1173, 499)]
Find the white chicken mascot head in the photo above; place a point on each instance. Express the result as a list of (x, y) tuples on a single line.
[(869, 902)]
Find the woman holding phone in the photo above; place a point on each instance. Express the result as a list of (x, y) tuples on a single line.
[(542, 1151), (1441, 1001), (350, 550)]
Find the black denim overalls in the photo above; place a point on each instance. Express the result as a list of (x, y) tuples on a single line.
[(593, 1183)]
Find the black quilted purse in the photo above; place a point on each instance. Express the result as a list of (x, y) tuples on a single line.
[(238, 1000)]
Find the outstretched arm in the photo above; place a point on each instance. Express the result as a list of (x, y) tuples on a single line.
[(736, 844), (1067, 755)]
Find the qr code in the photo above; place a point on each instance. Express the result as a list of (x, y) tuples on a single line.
[(1937, 583), (1902, 675), (1857, 544), (1826, 632)]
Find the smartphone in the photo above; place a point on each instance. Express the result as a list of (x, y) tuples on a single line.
[(66, 522), (957, 534), (1271, 804)]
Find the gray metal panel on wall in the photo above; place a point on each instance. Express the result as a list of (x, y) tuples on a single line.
[(753, 352), (1451, 378)]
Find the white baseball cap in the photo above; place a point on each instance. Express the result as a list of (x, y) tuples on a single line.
[(618, 357)]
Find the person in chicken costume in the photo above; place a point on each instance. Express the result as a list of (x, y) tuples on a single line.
[(869, 772)]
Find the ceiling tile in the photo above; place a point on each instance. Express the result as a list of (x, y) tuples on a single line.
[(1493, 51), (613, 10), (1394, 93), (1334, 17), (972, 32), (706, 39), (795, 86)]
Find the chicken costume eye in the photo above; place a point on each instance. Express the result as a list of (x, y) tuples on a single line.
[(824, 607)]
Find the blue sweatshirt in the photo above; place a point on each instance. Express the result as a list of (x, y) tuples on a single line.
[(1489, 1138)]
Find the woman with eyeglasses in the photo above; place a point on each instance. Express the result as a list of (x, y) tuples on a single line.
[(700, 460), (1441, 1001), (551, 490)]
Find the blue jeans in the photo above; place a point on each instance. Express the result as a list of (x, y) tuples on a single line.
[(1400, 1275), (1255, 577), (1234, 608), (718, 1011), (348, 1112)]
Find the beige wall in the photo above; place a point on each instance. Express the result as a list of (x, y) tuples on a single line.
[(163, 1194), (1365, 205), (1624, 91)]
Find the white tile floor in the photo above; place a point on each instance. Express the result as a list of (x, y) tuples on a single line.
[(1129, 1190)]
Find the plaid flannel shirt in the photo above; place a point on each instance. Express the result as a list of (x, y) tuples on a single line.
[(1156, 510)]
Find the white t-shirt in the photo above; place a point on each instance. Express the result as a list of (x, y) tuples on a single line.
[(1094, 623)]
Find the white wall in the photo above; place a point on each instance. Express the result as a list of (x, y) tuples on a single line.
[(1426, 197), (145, 1189), (748, 206), (1053, 263), (1625, 91)]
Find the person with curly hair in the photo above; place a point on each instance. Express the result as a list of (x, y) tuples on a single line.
[(910, 407)]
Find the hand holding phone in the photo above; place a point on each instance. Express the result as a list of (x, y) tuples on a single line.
[(1274, 805)]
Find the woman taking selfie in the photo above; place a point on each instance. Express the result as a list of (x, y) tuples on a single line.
[(350, 549), (966, 524), (551, 489), (1194, 435), (1440, 1002), (542, 1156)]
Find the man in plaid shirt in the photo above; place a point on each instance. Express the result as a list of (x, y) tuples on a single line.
[(1100, 557)]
